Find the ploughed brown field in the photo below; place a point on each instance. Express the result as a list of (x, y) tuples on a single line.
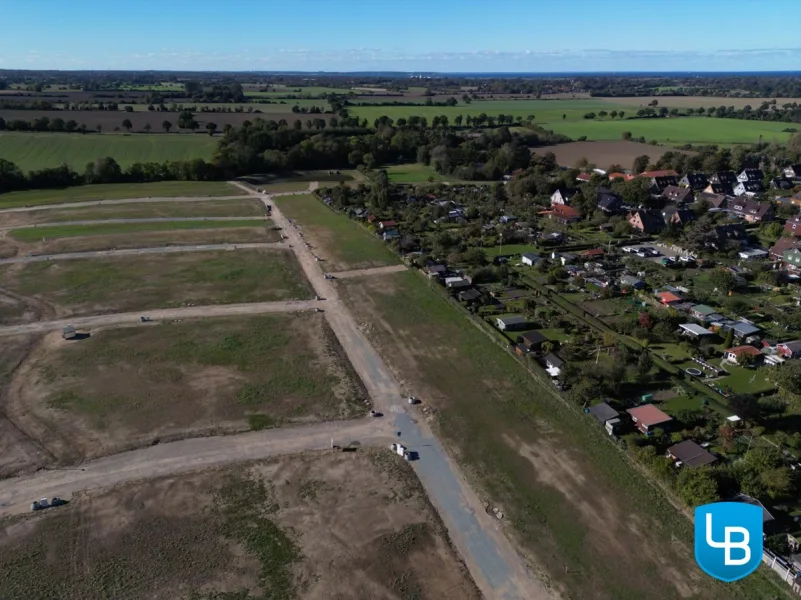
[(603, 154)]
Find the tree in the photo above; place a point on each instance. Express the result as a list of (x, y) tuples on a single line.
[(723, 280), (99, 128), (148, 127), (212, 128), (621, 114), (697, 486), (127, 124), (640, 163), (166, 126), (644, 365), (626, 135), (729, 341)]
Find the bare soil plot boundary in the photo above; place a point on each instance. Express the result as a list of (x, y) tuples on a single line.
[(124, 388), (314, 526), (138, 282)]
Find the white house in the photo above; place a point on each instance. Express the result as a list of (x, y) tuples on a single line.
[(563, 196), (456, 283), (530, 259), (511, 323)]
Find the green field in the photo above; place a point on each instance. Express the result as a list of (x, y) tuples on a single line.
[(41, 150), (114, 191), (693, 130), (34, 234), (413, 173), (338, 240)]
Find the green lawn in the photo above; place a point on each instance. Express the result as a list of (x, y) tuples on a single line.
[(34, 234), (41, 150), (507, 249), (342, 243), (114, 191), (740, 380), (694, 130), (413, 173)]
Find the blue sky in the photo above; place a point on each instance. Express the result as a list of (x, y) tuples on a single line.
[(408, 35)]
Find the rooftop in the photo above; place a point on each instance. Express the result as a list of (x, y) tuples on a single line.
[(603, 412), (691, 454), (648, 415), (695, 329)]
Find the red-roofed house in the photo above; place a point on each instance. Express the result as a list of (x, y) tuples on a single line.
[(734, 354), (652, 174), (563, 213), (648, 417), (372, 219), (668, 298), (584, 177), (593, 253), (623, 176), (388, 225)]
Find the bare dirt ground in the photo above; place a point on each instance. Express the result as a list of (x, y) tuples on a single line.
[(604, 154), (189, 237), (125, 388), (697, 101), (202, 208), (96, 286), (345, 526)]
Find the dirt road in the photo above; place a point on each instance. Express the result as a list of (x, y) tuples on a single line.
[(166, 314), (495, 566), (142, 220), (368, 272), (131, 251), (186, 455), (120, 201)]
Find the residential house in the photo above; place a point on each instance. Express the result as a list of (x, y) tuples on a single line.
[(513, 323), (727, 189), (386, 225), (782, 245), (564, 195), (793, 172), (530, 259), (690, 454), (793, 226), (606, 416), (743, 329), (792, 259), (724, 177), (632, 282), (695, 331), (593, 253), (390, 234), (456, 283), (679, 195), (583, 177), (753, 254), (648, 417), (553, 364), (752, 210), (790, 349), (678, 216), (646, 221), (563, 214), (714, 200), (769, 524), (781, 183), (733, 354), (664, 173), (694, 181), (660, 183), (507, 219), (732, 232), (565, 258), (435, 271), (469, 296), (748, 188), (702, 312), (751, 175), (668, 298), (532, 340), (608, 201), (623, 176)]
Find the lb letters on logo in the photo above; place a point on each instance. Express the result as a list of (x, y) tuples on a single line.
[(728, 539)]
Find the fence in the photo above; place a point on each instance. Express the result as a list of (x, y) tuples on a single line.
[(789, 575)]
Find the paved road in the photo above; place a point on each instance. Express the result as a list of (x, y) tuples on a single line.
[(143, 220), (368, 272), (494, 564), (187, 455), (163, 314), (121, 201), (135, 251)]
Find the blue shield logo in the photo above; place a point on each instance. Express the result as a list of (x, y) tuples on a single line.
[(728, 539)]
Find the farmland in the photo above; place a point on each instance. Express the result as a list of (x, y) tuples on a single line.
[(341, 243), (126, 387), (682, 130), (601, 154), (96, 286), (529, 453), (413, 173), (112, 191), (41, 150), (315, 526)]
